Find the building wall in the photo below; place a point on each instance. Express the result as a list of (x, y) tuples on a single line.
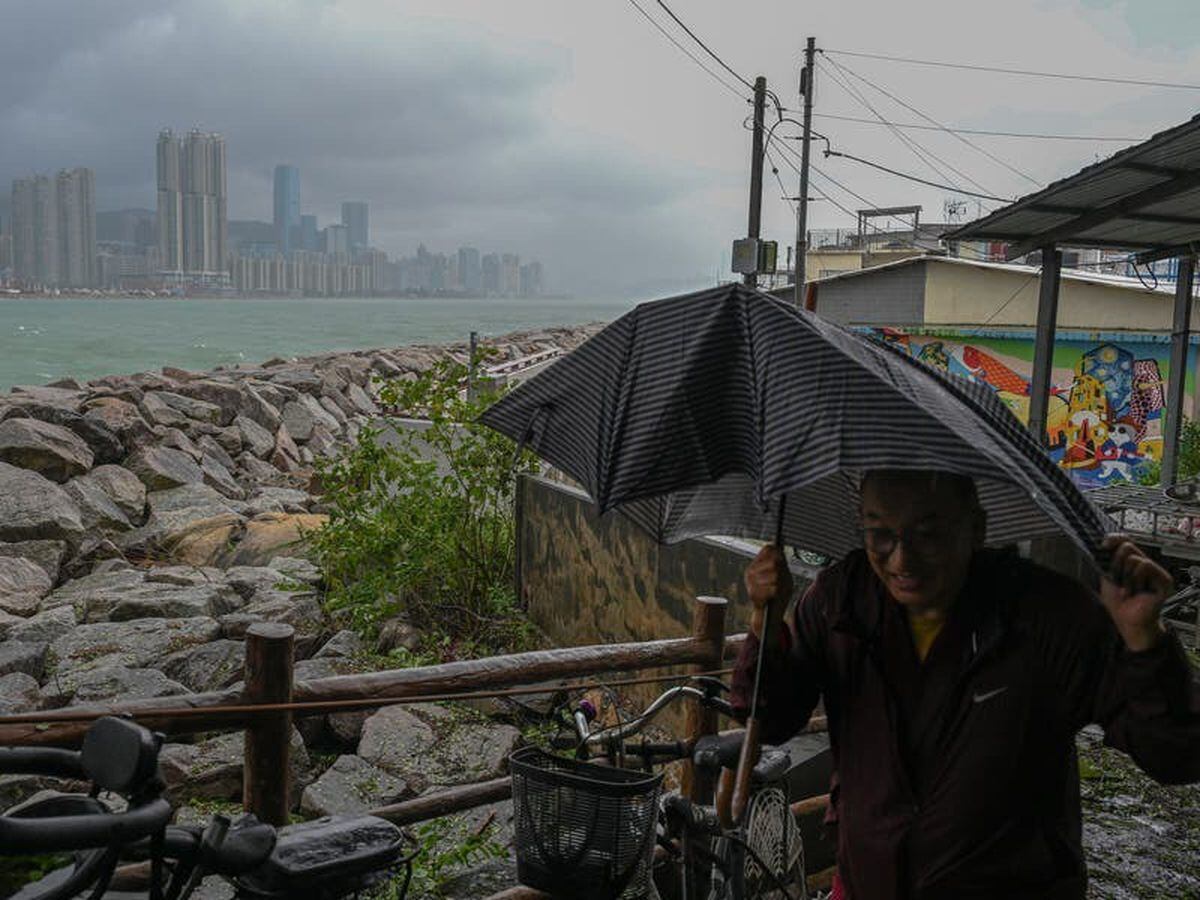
[(896, 297)]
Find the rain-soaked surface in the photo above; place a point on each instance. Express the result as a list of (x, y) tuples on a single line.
[(1142, 839)]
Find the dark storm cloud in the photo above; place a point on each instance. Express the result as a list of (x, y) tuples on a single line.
[(441, 128)]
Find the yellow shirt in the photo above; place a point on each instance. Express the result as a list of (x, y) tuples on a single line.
[(924, 633)]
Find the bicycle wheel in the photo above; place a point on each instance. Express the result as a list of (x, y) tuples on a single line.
[(773, 841)]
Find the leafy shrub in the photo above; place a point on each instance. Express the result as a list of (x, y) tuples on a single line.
[(422, 521), (1188, 459)]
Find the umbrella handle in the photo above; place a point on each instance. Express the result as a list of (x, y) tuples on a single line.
[(752, 742)]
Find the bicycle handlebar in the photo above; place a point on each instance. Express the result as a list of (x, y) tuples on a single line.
[(48, 761), (82, 832)]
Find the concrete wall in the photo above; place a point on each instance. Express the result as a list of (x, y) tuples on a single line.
[(587, 579), (895, 296)]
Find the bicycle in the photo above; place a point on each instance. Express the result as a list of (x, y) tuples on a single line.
[(325, 859), (760, 857)]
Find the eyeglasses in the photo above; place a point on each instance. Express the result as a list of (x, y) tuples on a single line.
[(922, 540)]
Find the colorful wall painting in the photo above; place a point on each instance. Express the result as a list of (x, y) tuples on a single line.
[(1107, 401)]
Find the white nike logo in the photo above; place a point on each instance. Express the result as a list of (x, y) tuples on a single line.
[(979, 698)]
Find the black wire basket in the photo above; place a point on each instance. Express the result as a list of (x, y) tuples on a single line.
[(583, 831)]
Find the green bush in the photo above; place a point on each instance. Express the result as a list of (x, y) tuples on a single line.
[(422, 523), (1188, 461)]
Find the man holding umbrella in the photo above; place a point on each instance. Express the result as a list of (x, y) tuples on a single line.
[(955, 680)]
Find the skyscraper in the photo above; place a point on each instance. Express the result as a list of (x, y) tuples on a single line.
[(287, 207), (35, 231), (469, 273), (510, 275), (354, 217), (76, 196), (490, 265), (193, 223), (309, 239)]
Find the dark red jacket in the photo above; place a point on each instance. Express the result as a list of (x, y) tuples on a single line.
[(958, 778)]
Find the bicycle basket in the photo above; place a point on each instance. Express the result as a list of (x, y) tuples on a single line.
[(583, 831)]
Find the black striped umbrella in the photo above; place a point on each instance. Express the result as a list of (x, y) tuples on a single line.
[(695, 414)]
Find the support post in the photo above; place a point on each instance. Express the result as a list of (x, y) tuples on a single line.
[(806, 88), (754, 227), (265, 780), (1181, 334), (471, 373), (708, 624), (1043, 347)]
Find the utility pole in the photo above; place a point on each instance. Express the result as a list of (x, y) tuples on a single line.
[(756, 168), (806, 90)]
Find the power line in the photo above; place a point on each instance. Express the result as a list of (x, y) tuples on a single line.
[(934, 121), (982, 131), (1032, 73), (775, 171), (1003, 306), (919, 180), (670, 37), (704, 46)]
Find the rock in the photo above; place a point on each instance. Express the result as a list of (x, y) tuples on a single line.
[(301, 611), (229, 439), (161, 468), (271, 534), (188, 407), (296, 569), (302, 414), (248, 580), (17, 656), (208, 667), (97, 510), (213, 768), (50, 396), (300, 379), (94, 550), (178, 374), (32, 507), (123, 488), (109, 683), (111, 565), (218, 478), (19, 693), (7, 621), (45, 627), (191, 523), (208, 446), (258, 408), (345, 409), (135, 644), (185, 576), (343, 645), (23, 584), (207, 541), (86, 592), (286, 456), (257, 440), (398, 633), (283, 499), (256, 470), (158, 412), (51, 450), (489, 875), (334, 410), (352, 786), (361, 400), (227, 397), (173, 602), (320, 443), (429, 745), (177, 440), (105, 444), (122, 418), (47, 554)]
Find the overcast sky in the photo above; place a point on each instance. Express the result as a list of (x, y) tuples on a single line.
[(569, 131)]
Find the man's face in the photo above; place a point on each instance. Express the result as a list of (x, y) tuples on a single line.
[(919, 534)]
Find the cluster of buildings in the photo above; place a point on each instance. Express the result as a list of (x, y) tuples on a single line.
[(56, 240)]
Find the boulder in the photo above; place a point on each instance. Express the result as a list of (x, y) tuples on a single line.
[(105, 444), (296, 569), (431, 746), (97, 510), (362, 400), (7, 621), (178, 375), (185, 576), (47, 554), (136, 644), (158, 412), (286, 456), (51, 450), (303, 414), (213, 768), (205, 542), (248, 580), (218, 478), (334, 409), (109, 683), (50, 396), (44, 627), (208, 667), (274, 534), (33, 508), (259, 408), (161, 468), (229, 439), (123, 488), (279, 499), (321, 443), (352, 786), (23, 584), (189, 407), (19, 693), (169, 601), (122, 418), (298, 378), (191, 523), (87, 592), (343, 645), (300, 610), (177, 440), (226, 396), (17, 656), (209, 446), (256, 470), (256, 439)]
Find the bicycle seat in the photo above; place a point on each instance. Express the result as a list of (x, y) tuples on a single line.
[(119, 755), (719, 751), (246, 846)]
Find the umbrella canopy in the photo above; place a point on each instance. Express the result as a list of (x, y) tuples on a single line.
[(695, 414)]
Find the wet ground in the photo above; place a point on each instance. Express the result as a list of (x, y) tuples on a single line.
[(1142, 839)]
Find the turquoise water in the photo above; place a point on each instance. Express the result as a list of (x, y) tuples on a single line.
[(45, 339)]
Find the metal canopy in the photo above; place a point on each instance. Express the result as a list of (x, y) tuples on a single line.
[(1145, 198)]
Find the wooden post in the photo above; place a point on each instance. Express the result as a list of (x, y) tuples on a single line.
[(1177, 377), (708, 624), (1043, 341), (266, 789)]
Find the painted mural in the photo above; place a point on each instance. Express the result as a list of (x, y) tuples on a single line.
[(1107, 397)]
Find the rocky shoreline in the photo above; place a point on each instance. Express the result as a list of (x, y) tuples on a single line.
[(147, 520)]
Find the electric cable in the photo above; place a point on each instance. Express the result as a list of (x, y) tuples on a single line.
[(933, 121), (704, 46), (670, 37), (1031, 73), (1003, 306), (917, 126), (775, 171), (918, 179)]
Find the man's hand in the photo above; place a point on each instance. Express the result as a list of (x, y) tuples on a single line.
[(1133, 591), (767, 580)]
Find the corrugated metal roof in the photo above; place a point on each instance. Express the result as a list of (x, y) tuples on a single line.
[(1144, 198)]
